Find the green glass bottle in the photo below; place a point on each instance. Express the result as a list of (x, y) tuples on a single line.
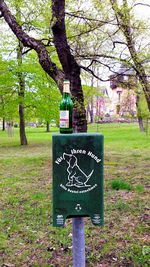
[(66, 110)]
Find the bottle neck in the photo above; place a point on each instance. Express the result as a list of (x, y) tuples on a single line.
[(66, 87)]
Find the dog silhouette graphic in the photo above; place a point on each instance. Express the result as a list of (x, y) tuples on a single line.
[(76, 177)]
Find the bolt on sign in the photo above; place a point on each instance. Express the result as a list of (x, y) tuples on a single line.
[(78, 177)]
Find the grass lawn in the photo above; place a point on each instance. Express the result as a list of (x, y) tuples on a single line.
[(27, 237)]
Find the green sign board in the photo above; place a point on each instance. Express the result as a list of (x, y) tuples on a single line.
[(77, 177)]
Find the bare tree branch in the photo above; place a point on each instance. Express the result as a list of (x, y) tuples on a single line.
[(99, 22), (141, 4), (54, 72), (93, 74), (26, 51)]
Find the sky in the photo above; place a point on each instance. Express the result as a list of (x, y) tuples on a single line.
[(143, 12)]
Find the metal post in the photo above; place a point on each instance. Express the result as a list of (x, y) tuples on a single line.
[(78, 242)]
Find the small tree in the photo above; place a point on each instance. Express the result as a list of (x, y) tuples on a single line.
[(123, 18)]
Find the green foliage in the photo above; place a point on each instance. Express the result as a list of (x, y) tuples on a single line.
[(139, 188), (8, 90), (42, 95), (143, 110), (90, 92), (120, 185), (134, 254), (41, 99)]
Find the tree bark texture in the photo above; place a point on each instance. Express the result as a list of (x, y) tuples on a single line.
[(47, 127), (2, 104), (21, 92), (3, 127), (71, 69), (68, 62), (141, 125), (92, 105), (140, 119)]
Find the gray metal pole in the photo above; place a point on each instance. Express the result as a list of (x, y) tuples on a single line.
[(78, 242)]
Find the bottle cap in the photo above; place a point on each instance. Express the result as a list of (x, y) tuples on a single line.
[(66, 86)]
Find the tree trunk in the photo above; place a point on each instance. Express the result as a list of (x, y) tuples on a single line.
[(3, 127), (23, 139), (92, 105), (92, 114), (69, 64), (47, 127), (141, 125), (88, 112), (140, 119)]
